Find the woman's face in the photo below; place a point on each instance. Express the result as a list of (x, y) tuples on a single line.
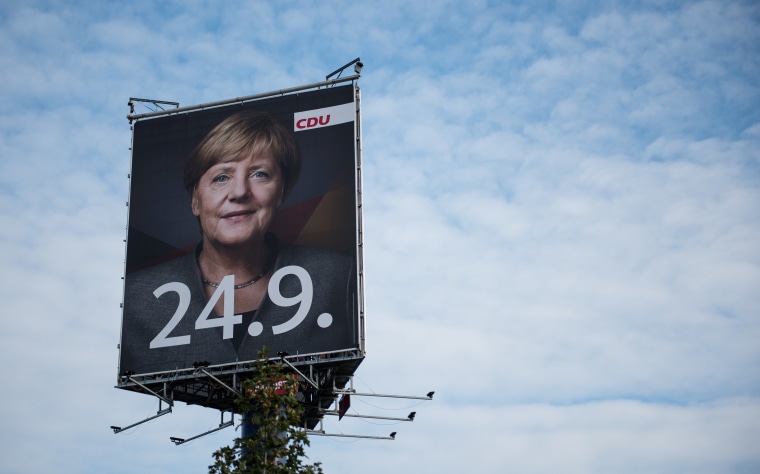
[(237, 201)]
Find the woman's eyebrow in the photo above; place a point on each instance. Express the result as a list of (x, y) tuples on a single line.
[(259, 166), (222, 167)]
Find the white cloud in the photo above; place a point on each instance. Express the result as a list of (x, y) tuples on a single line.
[(620, 436), (560, 223)]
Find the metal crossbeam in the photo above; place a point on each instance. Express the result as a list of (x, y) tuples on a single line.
[(235, 392), (168, 401), (311, 382)]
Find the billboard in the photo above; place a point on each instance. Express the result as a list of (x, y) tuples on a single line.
[(243, 234)]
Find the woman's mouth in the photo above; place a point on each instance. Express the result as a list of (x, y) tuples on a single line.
[(237, 214)]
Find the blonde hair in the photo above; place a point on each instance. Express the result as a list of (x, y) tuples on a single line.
[(251, 132)]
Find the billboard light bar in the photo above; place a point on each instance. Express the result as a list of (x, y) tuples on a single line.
[(429, 395), (322, 432), (131, 117), (391, 437), (156, 103), (409, 417), (222, 425), (119, 429)]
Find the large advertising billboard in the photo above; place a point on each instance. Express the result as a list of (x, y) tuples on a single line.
[(243, 233)]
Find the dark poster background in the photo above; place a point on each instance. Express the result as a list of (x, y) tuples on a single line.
[(320, 212)]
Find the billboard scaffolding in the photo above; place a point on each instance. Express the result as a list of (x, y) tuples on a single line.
[(245, 233)]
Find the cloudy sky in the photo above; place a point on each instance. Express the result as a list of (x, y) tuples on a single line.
[(562, 217)]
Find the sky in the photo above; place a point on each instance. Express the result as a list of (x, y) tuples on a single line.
[(562, 227)]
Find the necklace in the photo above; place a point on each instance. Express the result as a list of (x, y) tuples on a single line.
[(242, 285)]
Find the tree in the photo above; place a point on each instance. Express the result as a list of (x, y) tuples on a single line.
[(278, 446)]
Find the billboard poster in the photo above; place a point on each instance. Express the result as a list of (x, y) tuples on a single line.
[(243, 233)]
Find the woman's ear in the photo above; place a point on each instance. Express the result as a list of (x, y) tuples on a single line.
[(194, 203)]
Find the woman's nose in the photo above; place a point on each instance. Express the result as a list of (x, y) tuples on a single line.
[(241, 189)]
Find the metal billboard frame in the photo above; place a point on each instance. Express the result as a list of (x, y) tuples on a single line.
[(320, 374)]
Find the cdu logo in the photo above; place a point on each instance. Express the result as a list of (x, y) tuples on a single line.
[(325, 117), (312, 122)]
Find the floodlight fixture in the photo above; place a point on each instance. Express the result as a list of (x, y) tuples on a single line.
[(358, 65), (412, 415)]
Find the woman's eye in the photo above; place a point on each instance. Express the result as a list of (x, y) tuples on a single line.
[(260, 174), (222, 178)]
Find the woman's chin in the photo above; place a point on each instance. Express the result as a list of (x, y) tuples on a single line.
[(236, 241)]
